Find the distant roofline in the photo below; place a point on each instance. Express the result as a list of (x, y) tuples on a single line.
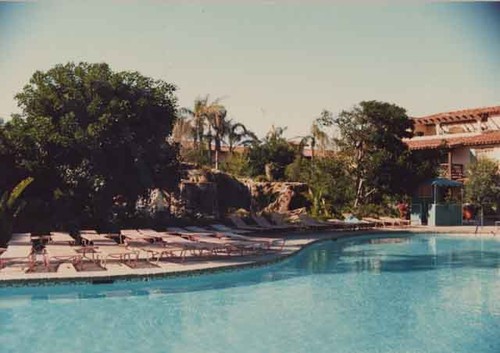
[(457, 116)]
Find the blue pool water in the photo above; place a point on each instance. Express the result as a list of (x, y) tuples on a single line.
[(403, 294)]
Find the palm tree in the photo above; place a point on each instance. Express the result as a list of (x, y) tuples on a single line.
[(216, 115), (317, 136), (10, 206), (199, 115), (238, 134), (183, 130)]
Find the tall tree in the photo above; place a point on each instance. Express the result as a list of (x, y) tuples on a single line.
[(483, 183), (207, 120), (88, 133), (183, 130), (197, 116), (371, 133), (216, 115)]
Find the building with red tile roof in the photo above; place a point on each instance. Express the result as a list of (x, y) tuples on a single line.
[(465, 134)]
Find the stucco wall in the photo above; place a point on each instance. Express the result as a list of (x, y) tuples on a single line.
[(462, 156), (489, 152)]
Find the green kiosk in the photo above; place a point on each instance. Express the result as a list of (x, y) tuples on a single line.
[(437, 202)]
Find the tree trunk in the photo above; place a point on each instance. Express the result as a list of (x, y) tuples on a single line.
[(217, 149), (359, 192), (359, 179)]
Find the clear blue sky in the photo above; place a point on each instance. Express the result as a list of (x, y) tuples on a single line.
[(278, 63)]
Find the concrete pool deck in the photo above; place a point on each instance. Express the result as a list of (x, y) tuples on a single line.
[(66, 272)]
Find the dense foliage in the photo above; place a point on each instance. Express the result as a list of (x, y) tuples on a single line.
[(330, 185), (270, 156), (483, 184), (96, 141), (91, 138), (371, 135)]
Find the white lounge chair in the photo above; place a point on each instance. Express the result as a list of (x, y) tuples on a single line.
[(19, 249), (62, 253), (240, 224)]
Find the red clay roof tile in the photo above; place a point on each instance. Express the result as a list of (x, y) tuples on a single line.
[(457, 116), (486, 138)]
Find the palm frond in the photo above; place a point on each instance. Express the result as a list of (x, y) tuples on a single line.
[(18, 190)]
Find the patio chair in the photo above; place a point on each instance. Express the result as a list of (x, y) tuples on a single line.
[(120, 252), (94, 239), (134, 234), (103, 248), (62, 253), (229, 245), (376, 221), (156, 250), (196, 247), (223, 228), (176, 240), (60, 237), (311, 222), (280, 219), (240, 224), (267, 242), (264, 223), (19, 249), (396, 221)]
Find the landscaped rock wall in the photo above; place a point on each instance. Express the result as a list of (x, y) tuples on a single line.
[(277, 196), (215, 193)]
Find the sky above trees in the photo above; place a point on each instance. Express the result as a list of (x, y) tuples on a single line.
[(278, 63)]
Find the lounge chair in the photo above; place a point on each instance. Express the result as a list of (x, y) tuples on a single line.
[(105, 248), (120, 252), (267, 242), (224, 228), (264, 223), (230, 245), (240, 224), (195, 247), (376, 221), (156, 250), (94, 239), (396, 221), (60, 237), (19, 249), (280, 219), (134, 234), (62, 253), (177, 235), (311, 222)]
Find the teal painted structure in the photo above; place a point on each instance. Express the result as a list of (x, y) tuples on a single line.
[(437, 202)]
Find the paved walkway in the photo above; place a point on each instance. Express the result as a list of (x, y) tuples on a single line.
[(12, 275)]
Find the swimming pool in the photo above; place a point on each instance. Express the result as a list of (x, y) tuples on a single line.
[(419, 293)]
